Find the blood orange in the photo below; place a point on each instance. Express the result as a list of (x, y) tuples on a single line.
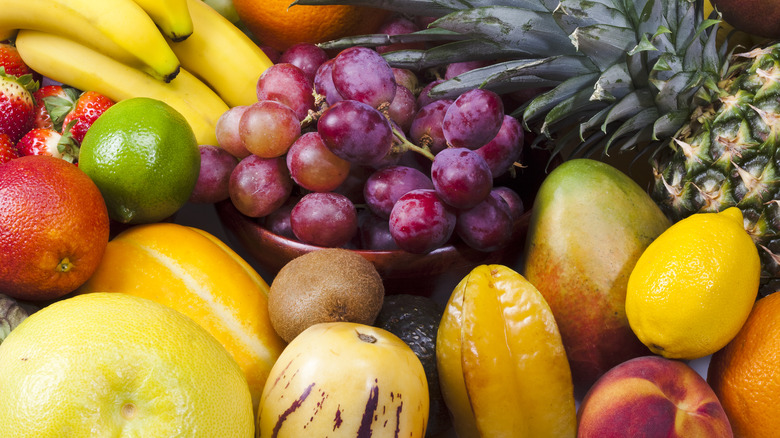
[(54, 227)]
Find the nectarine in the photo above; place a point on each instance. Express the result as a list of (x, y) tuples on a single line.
[(651, 396)]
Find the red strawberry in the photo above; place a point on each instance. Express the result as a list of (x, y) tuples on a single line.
[(7, 149), (52, 104), (12, 62), (89, 106), (45, 141), (16, 105)]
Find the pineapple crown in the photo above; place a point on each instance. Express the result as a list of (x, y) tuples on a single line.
[(621, 73)]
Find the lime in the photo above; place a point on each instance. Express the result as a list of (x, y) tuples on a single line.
[(143, 156)]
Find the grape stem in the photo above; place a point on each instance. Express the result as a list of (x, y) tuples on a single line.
[(406, 145)]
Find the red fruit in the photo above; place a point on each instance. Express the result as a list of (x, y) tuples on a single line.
[(12, 62), (7, 149), (16, 105), (46, 141), (52, 104), (89, 106)]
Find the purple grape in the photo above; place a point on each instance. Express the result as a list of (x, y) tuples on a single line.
[(487, 226), (473, 119), (385, 186), (399, 25), (374, 232), (268, 128), (425, 129), (408, 79), (259, 186), (352, 187), (323, 83), (216, 164), (362, 74), (457, 68), (512, 199), (324, 219), (278, 221), (306, 56), (421, 222), (403, 108), (289, 85), (424, 98), (227, 132), (461, 177), (355, 132), (505, 148), (313, 166)]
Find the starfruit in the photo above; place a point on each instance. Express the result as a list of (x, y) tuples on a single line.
[(502, 366)]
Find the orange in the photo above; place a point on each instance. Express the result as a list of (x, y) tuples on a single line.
[(277, 24), (744, 373), (192, 271), (53, 227)]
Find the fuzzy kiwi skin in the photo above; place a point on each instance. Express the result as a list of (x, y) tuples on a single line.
[(326, 285)]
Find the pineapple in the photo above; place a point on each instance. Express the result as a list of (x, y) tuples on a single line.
[(649, 78)]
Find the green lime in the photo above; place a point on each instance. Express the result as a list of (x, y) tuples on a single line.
[(144, 158)]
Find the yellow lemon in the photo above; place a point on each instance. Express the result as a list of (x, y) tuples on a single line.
[(195, 273), (693, 288), (104, 364)]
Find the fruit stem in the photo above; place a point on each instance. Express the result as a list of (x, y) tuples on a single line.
[(64, 265), (411, 146)]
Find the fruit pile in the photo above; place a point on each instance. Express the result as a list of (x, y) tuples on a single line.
[(115, 319), (328, 134)]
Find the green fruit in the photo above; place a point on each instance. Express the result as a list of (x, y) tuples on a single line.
[(590, 223)]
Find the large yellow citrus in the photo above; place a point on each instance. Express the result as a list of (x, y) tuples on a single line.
[(692, 288), (277, 24), (195, 273), (116, 365)]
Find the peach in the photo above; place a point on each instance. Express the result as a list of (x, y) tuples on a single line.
[(651, 396)]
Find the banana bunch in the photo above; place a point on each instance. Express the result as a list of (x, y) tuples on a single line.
[(182, 52)]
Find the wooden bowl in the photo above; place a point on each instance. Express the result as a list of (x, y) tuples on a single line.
[(434, 274)]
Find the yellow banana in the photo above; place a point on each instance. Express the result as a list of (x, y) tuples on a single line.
[(69, 62), (171, 16), (221, 55), (119, 29)]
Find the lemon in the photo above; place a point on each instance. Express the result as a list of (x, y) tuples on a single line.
[(143, 156), (108, 364), (692, 289)]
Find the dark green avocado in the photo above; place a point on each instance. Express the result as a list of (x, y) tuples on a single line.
[(415, 319)]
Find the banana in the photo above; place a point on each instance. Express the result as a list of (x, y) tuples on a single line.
[(69, 62), (119, 29), (171, 16), (221, 55)]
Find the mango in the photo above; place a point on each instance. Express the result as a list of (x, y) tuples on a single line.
[(589, 224)]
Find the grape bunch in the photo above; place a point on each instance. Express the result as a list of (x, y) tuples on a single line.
[(347, 151)]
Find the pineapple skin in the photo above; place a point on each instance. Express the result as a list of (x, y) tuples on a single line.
[(728, 156)]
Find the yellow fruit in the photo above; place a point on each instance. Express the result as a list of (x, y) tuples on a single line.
[(692, 289), (344, 379), (143, 156), (502, 366), (103, 365), (195, 273)]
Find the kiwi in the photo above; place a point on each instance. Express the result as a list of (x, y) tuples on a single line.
[(327, 285), (415, 319)]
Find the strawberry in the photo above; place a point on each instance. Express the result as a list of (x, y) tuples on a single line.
[(7, 149), (12, 62), (16, 105), (46, 141), (52, 104), (89, 106)]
